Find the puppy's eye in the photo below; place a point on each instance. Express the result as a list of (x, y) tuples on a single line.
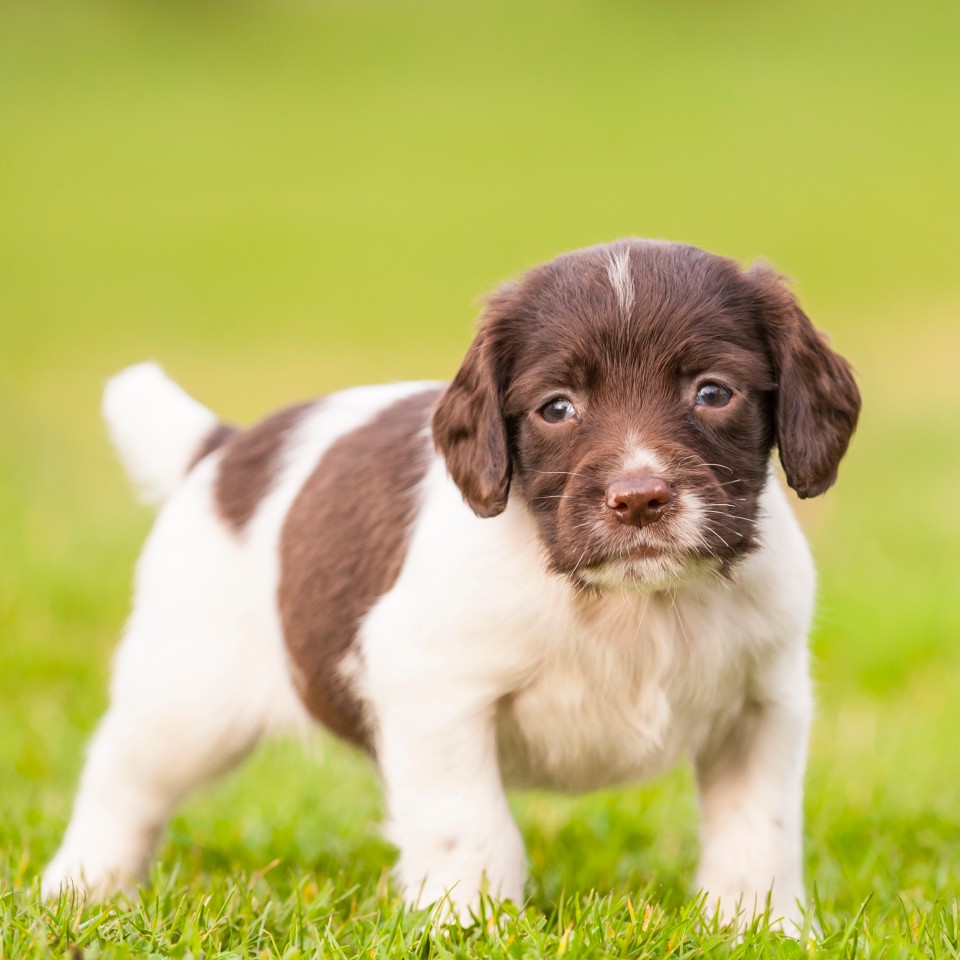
[(713, 394), (558, 410)]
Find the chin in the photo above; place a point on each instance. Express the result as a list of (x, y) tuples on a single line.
[(646, 574)]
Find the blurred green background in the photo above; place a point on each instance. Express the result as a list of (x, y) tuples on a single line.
[(277, 199)]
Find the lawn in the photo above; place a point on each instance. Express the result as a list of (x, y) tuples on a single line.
[(278, 199)]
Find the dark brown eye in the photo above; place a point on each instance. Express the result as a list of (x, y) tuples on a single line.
[(713, 394), (558, 410)]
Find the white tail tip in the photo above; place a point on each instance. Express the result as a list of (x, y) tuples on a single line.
[(156, 427)]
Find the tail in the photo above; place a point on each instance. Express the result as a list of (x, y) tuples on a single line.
[(159, 430)]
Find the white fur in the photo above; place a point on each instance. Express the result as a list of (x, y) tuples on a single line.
[(639, 458), (480, 670), (621, 278), (156, 428)]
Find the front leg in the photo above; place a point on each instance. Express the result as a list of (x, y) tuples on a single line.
[(448, 812), (750, 780)]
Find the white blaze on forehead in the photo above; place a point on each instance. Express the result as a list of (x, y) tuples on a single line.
[(618, 272), (641, 459)]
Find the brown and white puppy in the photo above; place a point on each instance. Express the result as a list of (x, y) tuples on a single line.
[(566, 568)]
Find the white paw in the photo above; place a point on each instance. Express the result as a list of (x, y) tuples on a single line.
[(742, 908), (84, 878), (460, 895), (459, 906), (456, 876)]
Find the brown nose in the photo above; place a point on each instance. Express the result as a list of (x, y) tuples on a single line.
[(639, 500)]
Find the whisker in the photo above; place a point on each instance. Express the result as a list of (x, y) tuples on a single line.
[(577, 565), (585, 523), (676, 610), (712, 531), (561, 473), (729, 516)]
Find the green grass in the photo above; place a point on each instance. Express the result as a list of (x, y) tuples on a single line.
[(279, 199)]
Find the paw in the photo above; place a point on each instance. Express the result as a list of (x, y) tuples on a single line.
[(446, 906), (84, 878), (742, 907), (461, 892), (460, 877), (458, 901)]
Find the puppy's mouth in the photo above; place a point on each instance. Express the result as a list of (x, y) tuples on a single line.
[(649, 569), (636, 562), (642, 563), (642, 551)]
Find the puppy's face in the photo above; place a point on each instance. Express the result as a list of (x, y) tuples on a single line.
[(632, 394)]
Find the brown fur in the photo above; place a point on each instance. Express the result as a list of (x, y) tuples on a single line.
[(215, 439), (341, 548), (471, 432), (633, 374), (817, 401), (249, 464)]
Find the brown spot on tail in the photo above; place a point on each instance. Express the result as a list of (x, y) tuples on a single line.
[(342, 547)]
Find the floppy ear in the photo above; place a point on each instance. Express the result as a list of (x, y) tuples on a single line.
[(469, 428), (817, 401)]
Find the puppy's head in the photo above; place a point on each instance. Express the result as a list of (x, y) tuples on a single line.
[(630, 394)]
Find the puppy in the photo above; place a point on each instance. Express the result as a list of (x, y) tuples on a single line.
[(566, 568)]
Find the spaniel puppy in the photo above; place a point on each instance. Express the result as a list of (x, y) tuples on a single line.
[(566, 568)]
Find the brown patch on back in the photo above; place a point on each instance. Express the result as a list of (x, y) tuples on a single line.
[(342, 547), (215, 439), (249, 464)]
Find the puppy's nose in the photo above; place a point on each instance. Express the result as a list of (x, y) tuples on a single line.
[(639, 500)]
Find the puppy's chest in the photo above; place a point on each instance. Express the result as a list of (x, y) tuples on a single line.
[(616, 702)]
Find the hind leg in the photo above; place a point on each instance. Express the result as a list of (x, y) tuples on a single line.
[(198, 680), (145, 757), (172, 725)]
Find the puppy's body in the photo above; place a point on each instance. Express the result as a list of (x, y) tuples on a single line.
[(357, 562)]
